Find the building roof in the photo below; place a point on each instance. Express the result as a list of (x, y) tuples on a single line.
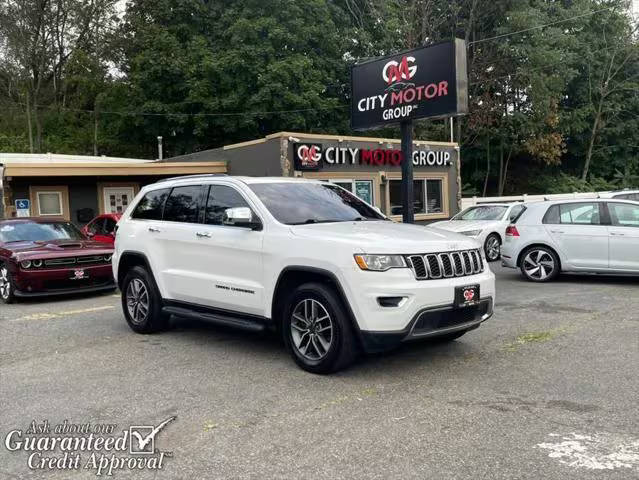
[(9, 158)]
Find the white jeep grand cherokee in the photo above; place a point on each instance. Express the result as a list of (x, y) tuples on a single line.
[(305, 258)]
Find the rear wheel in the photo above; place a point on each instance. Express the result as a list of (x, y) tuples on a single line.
[(317, 330), (142, 303), (540, 264), (492, 247), (7, 289)]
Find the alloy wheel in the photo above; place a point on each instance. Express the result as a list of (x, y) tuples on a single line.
[(539, 264), (311, 329), (493, 249), (137, 301), (5, 284)]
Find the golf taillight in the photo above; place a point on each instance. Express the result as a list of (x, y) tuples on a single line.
[(511, 231)]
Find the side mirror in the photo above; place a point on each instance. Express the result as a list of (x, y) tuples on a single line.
[(378, 210), (241, 217), (90, 234)]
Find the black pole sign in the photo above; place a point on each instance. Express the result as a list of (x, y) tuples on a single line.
[(408, 199), (427, 82)]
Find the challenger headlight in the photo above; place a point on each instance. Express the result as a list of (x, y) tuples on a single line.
[(107, 258), (25, 264), (379, 263), (37, 263), (471, 233)]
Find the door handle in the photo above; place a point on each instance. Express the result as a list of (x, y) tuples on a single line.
[(615, 234), (154, 229), (203, 234), (556, 231)]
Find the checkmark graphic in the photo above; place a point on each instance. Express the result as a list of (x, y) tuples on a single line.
[(144, 439)]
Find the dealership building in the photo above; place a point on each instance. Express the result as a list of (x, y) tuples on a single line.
[(368, 167)]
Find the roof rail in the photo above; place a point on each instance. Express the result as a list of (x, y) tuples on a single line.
[(199, 175)]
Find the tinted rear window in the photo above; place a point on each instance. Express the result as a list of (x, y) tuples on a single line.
[(151, 205), (183, 204)]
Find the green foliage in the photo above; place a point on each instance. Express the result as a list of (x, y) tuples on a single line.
[(551, 107)]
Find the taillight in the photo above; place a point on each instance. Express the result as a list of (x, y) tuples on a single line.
[(511, 231)]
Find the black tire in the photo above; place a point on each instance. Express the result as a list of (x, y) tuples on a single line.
[(7, 286), (342, 349), (492, 241), (539, 264), (153, 320)]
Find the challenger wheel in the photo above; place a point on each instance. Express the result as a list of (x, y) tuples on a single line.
[(7, 288), (317, 329), (142, 303)]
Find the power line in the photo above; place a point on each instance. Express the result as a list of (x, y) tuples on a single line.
[(538, 26), (169, 114)]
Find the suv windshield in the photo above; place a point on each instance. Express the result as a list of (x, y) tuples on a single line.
[(39, 232), (481, 213), (300, 203)]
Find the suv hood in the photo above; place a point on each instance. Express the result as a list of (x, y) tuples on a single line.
[(465, 225), (385, 237)]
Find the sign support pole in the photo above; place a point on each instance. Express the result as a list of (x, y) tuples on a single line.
[(408, 209)]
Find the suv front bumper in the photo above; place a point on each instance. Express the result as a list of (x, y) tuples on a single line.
[(426, 308), (430, 323)]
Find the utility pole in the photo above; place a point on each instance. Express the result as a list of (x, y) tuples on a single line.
[(159, 148), (408, 207)]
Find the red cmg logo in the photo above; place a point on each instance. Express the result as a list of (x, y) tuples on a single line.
[(394, 72), (309, 155), (469, 294)]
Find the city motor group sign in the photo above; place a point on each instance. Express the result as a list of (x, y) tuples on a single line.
[(428, 82), (313, 156)]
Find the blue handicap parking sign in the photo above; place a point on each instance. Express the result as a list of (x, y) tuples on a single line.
[(22, 204)]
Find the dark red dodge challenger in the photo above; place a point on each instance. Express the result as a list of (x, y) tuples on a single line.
[(44, 257)]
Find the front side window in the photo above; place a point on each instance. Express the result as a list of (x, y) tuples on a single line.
[(151, 205), (109, 226), (49, 203), (624, 214), (580, 213), (219, 200), (95, 227), (39, 232), (183, 204), (302, 203)]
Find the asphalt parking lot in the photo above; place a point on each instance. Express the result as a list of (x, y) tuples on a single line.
[(547, 388)]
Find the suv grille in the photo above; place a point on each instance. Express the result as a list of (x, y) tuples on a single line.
[(446, 265)]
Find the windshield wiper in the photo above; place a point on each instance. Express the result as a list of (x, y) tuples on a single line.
[(309, 221)]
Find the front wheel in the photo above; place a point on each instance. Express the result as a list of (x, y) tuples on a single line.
[(7, 289), (492, 247), (142, 303), (540, 264), (317, 329)]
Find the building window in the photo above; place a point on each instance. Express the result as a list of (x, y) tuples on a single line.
[(361, 188), (427, 196), (50, 203)]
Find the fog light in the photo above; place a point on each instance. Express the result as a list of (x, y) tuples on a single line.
[(25, 263)]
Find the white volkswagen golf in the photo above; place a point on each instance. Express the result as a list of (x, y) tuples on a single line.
[(592, 236)]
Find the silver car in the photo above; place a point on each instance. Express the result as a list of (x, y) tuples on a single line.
[(591, 236)]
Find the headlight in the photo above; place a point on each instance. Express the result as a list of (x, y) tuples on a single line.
[(25, 263), (37, 263), (379, 263), (107, 258), (471, 233)]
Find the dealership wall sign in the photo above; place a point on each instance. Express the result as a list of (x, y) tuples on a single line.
[(427, 82), (312, 156)]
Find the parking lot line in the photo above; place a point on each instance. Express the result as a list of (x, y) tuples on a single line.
[(48, 316)]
